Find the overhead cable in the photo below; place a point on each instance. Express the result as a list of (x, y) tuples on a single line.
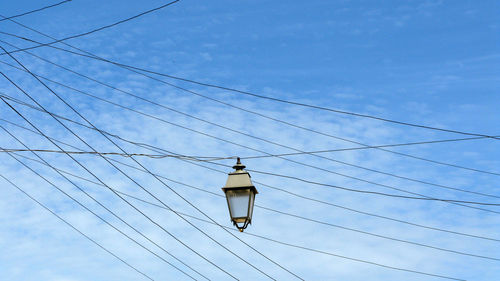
[(290, 160), (155, 156), (255, 171), (97, 29), (143, 188), (282, 213), (303, 247), (100, 204), (123, 199), (36, 10), (131, 68), (258, 95), (162, 150), (334, 254), (313, 250), (246, 134), (216, 158), (76, 229), (423, 197)]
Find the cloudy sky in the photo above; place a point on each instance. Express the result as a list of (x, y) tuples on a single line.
[(433, 63)]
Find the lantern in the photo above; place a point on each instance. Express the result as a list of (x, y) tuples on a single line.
[(240, 196)]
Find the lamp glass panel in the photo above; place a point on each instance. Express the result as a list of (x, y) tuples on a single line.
[(252, 199), (238, 202)]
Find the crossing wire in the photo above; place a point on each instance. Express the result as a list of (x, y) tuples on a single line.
[(100, 204), (131, 68), (97, 29), (328, 253), (135, 182), (335, 255), (216, 158), (458, 202), (128, 203), (297, 162), (282, 213), (36, 10), (76, 229), (260, 172), (85, 168), (242, 133), (162, 150), (253, 94)]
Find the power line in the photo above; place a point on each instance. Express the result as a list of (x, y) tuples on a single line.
[(255, 171), (366, 191), (97, 29), (76, 229), (157, 149), (169, 207), (257, 95), (307, 248), (423, 197), (300, 163), (154, 156), (354, 259), (37, 10), (458, 202), (249, 135), (336, 255), (216, 158), (237, 107), (284, 213), (100, 204), (85, 168), (135, 182), (293, 161), (131, 68)]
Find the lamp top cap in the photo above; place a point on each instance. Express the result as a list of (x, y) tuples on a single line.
[(239, 166)]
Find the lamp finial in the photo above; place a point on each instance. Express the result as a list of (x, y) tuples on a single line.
[(239, 166)]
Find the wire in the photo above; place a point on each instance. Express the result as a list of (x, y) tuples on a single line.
[(349, 189), (284, 213), (255, 171), (257, 95), (37, 10), (216, 158), (357, 190), (259, 138), (366, 191), (154, 156), (131, 68), (135, 182), (81, 165), (100, 204), (300, 163), (355, 259), (460, 202), (297, 162), (76, 229), (306, 248), (301, 247), (336, 255), (316, 106), (157, 149), (128, 67), (97, 29)]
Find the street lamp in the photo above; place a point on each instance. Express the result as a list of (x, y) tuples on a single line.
[(240, 196)]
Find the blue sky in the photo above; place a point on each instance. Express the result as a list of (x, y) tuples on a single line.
[(434, 63)]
